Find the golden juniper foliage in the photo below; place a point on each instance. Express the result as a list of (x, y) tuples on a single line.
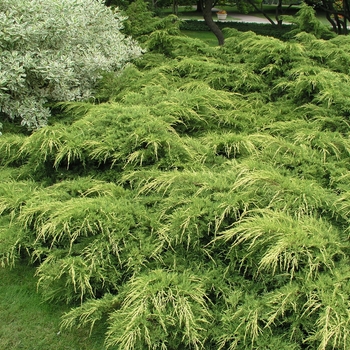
[(203, 205)]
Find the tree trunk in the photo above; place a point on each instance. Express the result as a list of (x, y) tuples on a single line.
[(346, 7), (332, 14), (339, 25), (345, 26), (210, 22), (251, 2), (331, 21), (175, 7), (279, 12), (199, 6)]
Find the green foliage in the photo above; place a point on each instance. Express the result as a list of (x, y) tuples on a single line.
[(203, 205), (55, 51), (141, 22), (158, 310), (306, 21)]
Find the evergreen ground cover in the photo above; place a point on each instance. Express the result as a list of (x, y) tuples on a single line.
[(201, 202)]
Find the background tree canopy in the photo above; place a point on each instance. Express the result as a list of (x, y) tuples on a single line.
[(202, 204)]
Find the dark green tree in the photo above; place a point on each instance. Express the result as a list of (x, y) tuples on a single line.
[(337, 13), (306, 21)]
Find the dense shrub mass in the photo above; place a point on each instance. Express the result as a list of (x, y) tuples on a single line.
[(204, 205), (55, 50)]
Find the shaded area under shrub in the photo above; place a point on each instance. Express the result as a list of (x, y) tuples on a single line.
[(258, 28)]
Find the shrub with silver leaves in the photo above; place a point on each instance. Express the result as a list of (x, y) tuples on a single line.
[(55, 50)]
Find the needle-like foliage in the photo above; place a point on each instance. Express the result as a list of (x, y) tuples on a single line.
[(202, 201)]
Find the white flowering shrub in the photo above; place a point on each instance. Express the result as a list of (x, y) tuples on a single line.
[(55, 50)]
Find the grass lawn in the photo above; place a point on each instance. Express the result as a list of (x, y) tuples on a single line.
[(208, 37), (28, 323)]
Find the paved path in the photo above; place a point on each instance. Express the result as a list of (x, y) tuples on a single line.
[(239, 17)]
